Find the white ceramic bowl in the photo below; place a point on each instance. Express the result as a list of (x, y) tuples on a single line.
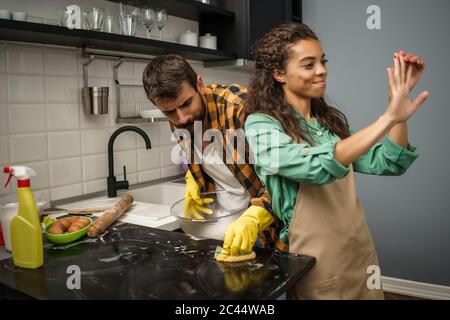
[(154, 113), (214, 225)]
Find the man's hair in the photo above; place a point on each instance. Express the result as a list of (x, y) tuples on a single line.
[(163, 76)]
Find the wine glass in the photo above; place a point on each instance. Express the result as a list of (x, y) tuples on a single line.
[(148, 19), (161, 19)]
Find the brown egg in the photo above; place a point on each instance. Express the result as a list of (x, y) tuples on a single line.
[(73, 219), (83, 221), (56, 229), (65, 223), (59, 224), (74, 227)]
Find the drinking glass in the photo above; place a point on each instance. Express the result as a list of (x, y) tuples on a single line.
[(148, 19), (161, 19), (94, 18), (128, 23), (108, 25)]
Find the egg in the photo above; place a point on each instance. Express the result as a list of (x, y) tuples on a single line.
[(73, 219), (74, 227), (56, 229), (65, 223)]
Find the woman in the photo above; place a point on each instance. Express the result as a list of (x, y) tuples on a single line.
[(305, 154)]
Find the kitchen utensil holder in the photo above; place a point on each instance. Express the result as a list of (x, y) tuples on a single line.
[(95, 99), (131, 100)]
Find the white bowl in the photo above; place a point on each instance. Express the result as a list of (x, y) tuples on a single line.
[(154, 113)]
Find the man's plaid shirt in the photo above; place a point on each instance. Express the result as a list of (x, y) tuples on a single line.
[(225, 112)]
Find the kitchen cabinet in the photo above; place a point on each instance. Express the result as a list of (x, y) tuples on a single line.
[(135, 262), (253, 19)]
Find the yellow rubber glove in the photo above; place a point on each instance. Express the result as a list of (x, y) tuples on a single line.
[(239, 277), (241, 234), (194, 205)]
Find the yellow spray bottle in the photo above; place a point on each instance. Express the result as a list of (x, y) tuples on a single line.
[(26, 234)]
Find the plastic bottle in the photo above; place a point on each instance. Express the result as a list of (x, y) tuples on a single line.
[(26, 234)]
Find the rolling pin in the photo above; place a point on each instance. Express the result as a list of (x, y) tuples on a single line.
[(110, 216)]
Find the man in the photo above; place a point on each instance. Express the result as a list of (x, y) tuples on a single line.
[(173, 86)]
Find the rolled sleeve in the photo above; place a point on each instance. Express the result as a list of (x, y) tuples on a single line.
[(333, 166), (399, 154), (387, 158), (276, 153)]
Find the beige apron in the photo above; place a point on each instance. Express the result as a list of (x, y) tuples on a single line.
[(329, 223)]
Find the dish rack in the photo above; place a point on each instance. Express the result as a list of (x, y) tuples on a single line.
[(132, 100)]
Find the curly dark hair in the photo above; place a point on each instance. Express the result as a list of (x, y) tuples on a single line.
[(265, 94)]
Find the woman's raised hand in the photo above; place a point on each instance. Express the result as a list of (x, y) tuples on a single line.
[(402, 78), (416, 64)]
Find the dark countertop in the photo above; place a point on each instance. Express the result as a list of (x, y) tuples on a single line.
[(135, 262)]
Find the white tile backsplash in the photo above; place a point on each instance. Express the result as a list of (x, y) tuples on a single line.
[(41, 179), (64, 144), (61, 89), (28, 147), (65, 171), (90, 122), (95, 167), (63, 117), (61, 62), (43, 124), (144, 176), (2, 58), (4, 150), (68, 191), (3, 119), (149, 159), (94, 141), (99, 68), (170, 171), (27, 118), (25, 88), (94, 186), (25, 59), (3, 88)]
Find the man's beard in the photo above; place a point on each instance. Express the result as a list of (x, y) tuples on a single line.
[(190, 125)]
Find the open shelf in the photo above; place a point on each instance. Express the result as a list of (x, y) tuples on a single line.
[(188, 9), (11, 30)]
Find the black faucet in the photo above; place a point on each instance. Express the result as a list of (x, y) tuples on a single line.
[(114, 185)]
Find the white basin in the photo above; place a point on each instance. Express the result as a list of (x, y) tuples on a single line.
[(167, 194)]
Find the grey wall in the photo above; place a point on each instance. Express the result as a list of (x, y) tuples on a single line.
[(409, 216)]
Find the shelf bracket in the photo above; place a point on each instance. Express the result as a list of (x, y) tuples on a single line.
[(85, 70)]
